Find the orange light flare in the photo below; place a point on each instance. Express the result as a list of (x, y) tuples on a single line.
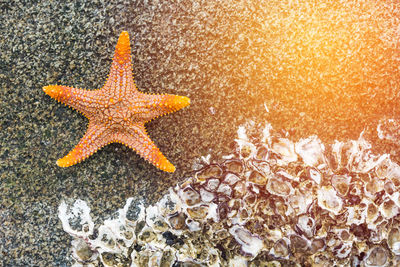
[(318, 53)]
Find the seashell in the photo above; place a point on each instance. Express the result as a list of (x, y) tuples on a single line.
[(337, 157), (376, 236), (341, 183), (154, 220), (282, 174), (382, 169), (370, 212), (116, 234), (355, 214), (342, 250), (192, 225), (360, 231), (305, 225), (356, 190), (82, 252), (343, 234), (311, 151), (393, 173), (239, 190), (381, 230), (238, 261), (278, 187), (250, 244), (190, 196), (359, 157), (322, 260), (262, 153), (257, 178), (328, 200), (224, 189), (298, 244), (245, 149), (146, 235), (235, 204), (132, 212), (389, 187), (280, 249), (373, 187), (376, 256), (284, 149), (111, 259), (306, 188), (198, 212), (212, 170), (177, 221), (245, 214), (263, 167), (206, 196), (169, 204), (155, 259), (394, 240), (167, 259), (317, 244), (233, 165), (254, 188), (203, 212), (314, 174), (212, 184), (388, 208), (395, 197), (76, 219), (231, 178), (300, 202), (223, 210), (281, 209), (250, 199)]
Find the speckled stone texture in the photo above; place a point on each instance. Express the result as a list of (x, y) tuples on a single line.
[(331, 69)]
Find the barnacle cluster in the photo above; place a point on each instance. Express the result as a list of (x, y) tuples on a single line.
[(274, 202)]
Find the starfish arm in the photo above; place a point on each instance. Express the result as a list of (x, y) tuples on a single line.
[(84, 101), (121, 68), (94, 139), (137, 139), (159, 105)]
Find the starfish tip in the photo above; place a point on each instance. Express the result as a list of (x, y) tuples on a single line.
[(52, 90), (47, 89), (180, 102), (169, 168), (185, 101), (62, 163)]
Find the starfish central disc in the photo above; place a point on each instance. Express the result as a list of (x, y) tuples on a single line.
[(117, 112)]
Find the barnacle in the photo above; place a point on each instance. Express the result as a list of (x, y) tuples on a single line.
[(276, 202)]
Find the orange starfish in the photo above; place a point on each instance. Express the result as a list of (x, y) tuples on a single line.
[(117, 112)]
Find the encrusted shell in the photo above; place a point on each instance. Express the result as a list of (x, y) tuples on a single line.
[(311, 151), (250, 243), (328, 200), (275, 203), (279, 187), (285, 150)]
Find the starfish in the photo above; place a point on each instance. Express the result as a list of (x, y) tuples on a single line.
[(117, 112)]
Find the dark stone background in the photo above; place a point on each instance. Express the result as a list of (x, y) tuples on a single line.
[(321, 67)]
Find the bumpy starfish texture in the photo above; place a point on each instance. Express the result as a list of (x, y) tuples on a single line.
[(117, 112)]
